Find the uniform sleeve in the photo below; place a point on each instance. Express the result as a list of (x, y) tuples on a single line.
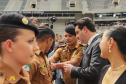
[(56, 55), (78, 56), (33, 68)]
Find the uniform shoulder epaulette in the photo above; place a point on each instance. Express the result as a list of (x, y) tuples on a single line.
[(62, 45), (83, 44)]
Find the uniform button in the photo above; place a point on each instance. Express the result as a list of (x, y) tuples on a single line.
[(1, 74)]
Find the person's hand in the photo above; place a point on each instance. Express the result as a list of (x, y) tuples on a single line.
[(67, 68), (53, 66)]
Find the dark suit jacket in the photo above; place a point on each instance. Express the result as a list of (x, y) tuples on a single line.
[(91, 64)]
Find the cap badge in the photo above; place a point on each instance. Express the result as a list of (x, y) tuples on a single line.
[(25, 21)]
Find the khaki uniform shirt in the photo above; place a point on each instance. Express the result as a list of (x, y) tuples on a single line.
[(40, 70), (8, 76), (65, 54)]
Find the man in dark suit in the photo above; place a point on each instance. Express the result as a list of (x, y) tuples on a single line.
[(91, 64)]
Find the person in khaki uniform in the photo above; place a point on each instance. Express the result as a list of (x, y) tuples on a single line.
[(70, 53), (8, 75), (17, 48), (40, 70)]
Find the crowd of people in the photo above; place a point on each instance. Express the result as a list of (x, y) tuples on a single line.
[(30, 54)]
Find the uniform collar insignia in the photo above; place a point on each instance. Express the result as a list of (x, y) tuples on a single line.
[(10, 75), (38, 52)]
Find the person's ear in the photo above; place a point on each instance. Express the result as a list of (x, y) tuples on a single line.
[(85, 29), (9, 45), (48, 40), (111, 42)]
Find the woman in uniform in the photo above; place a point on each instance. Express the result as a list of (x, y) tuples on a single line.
[(17, 48)]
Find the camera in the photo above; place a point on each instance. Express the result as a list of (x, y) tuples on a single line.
[(52, 19)]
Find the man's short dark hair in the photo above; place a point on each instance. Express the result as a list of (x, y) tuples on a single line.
[(86, 21), (45, 33)]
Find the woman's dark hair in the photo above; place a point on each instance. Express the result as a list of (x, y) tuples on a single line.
[(7, 33), (86, 21), (118, 33)]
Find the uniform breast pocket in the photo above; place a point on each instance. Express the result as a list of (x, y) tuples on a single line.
[(43, 70), (63, 58)]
